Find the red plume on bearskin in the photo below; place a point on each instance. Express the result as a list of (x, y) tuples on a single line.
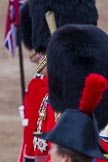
[(95, 85)]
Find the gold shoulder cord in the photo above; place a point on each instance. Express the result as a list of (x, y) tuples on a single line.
[(42, 115)]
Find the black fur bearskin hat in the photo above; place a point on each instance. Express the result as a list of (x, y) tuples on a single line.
[(26, 25), (66, 11), (73, 52)]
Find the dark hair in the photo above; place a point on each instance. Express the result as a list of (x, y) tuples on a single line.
[(74, 155)]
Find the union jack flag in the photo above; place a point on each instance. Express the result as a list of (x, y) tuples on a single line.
[(12, 22)]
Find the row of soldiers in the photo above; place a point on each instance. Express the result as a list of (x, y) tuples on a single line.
[(69, 56)]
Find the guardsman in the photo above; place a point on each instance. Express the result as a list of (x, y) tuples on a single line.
[(65, 12)]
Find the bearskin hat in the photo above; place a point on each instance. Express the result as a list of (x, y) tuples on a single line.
[(26, 26), (73, 52), (66, 11)]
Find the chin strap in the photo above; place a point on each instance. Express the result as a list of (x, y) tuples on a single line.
[(50, 19)]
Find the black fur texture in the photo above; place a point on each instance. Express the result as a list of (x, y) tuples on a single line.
[(26, 26), (75, 51), (66, 12)]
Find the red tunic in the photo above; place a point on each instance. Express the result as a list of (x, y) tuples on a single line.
[(37, 89)]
